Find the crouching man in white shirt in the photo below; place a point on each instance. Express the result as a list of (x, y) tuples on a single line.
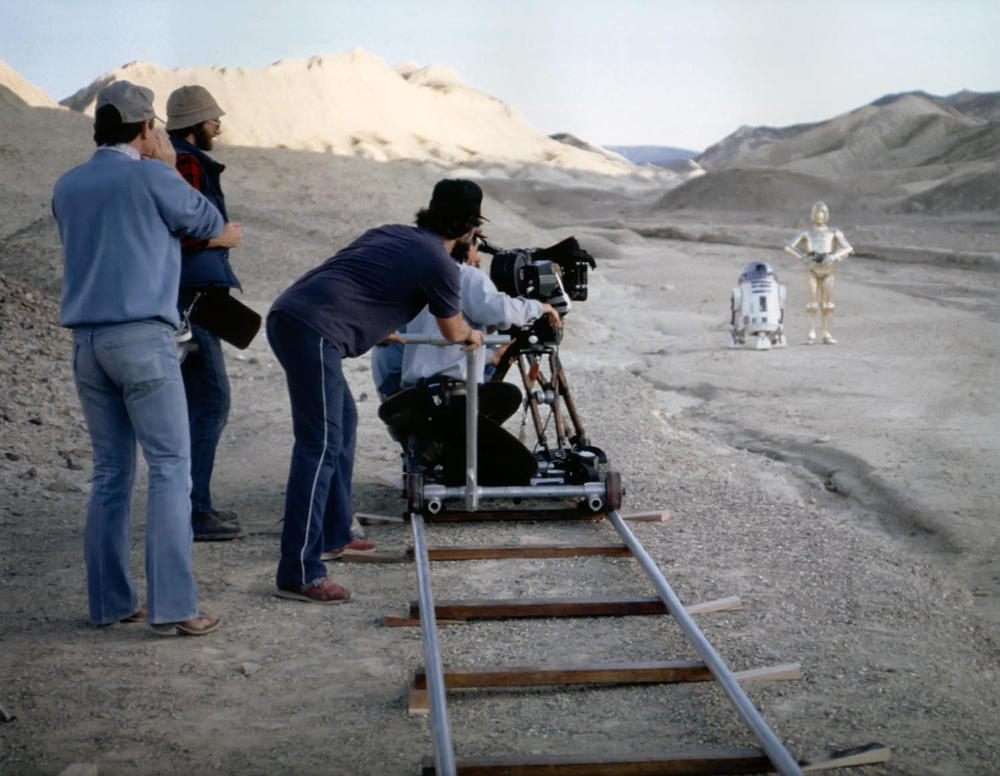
[(503, 459)]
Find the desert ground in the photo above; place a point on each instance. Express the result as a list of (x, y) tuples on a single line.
[(847, 494)]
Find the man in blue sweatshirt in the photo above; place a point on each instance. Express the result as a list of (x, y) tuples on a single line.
[(118, 215)]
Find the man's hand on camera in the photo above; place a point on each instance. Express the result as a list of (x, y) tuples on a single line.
[(552, 314), (498, 353)]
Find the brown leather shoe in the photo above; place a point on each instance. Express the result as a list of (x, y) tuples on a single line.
[(355, 545), (321, 590)]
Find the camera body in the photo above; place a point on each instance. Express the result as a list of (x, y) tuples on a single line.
[(557, 275)]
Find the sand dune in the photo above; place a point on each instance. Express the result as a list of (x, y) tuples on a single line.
[(22, 89), (355, 104)]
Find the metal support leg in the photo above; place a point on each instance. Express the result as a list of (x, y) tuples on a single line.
[(471, 432)]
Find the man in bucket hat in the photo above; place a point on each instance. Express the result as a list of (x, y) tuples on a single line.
[(338, 310), (194, 120), (118, 215)]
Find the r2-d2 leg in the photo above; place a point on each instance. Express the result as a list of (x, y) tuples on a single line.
[(737, 336)]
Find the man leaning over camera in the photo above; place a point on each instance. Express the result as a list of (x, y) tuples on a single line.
[(338, 310)]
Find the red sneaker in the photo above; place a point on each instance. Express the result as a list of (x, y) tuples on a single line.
[(321, 590), (355, 545)]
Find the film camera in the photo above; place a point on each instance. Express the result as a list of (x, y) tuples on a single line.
[(557, 275), (561, 467)]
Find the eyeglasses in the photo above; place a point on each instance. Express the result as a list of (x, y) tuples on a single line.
[(217, 122)]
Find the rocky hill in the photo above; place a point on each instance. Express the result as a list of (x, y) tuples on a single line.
[(981, 105), (909, 152), (745, 140)]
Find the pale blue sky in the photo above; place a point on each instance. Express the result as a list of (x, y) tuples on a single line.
[(663, 72)]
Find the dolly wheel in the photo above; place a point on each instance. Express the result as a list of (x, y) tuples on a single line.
[(614, 490)]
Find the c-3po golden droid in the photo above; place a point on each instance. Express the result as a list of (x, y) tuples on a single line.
[(819, 248)]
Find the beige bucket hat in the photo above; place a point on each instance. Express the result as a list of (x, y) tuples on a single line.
[(188, 106)]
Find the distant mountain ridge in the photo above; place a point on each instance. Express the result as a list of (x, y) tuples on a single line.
[(983, 105), (661, 156), (912, 152), (741, 145)]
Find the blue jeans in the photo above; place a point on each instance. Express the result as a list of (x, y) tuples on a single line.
[(207, 388), (324, 421), (387, 368), (129, 383)]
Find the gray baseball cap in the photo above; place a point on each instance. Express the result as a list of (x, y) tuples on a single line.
[(134, 103)]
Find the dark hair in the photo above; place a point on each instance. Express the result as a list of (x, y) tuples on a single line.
[(460, 252), (110, 130), (183, 132), (447, 225)]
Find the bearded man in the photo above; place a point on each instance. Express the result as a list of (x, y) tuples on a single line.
[(194, 120)]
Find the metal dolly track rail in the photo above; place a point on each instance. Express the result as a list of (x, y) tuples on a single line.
[(443, 748), (774, 757)]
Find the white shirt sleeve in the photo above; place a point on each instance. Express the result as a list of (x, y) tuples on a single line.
[(483, 305)]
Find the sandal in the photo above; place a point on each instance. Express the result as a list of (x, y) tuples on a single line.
[(196, 626)]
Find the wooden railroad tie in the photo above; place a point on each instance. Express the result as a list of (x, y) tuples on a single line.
[(460, 611), (658, 672), (496, 551), (660, 516), (523, 551), (367, 518), (686, 762)]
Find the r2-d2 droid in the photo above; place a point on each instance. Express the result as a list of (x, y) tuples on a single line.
[(758, 308)]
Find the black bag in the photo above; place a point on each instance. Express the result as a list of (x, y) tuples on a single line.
[(225, 317)]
